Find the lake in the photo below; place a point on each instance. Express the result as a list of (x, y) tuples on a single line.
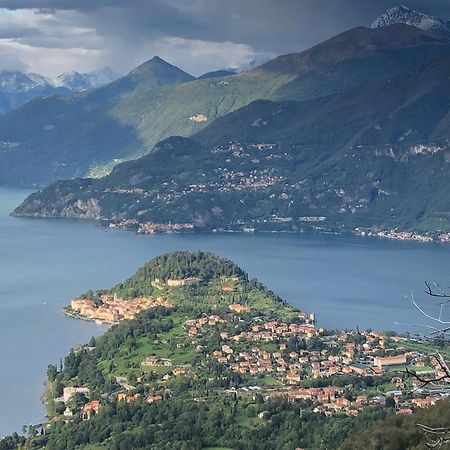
[(347, 281)]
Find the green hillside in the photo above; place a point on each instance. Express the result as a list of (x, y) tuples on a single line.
[(376, 158), (198, 373), (66, 136)]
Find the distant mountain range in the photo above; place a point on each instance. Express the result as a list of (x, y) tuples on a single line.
[(351, 133), (77, 82), (17, 88)]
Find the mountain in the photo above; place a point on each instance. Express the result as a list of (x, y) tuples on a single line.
[(17, 88), (151, 75), (76, 82), (222, 73), (407, 16), (77, 131), (88, 133), (375, 157)]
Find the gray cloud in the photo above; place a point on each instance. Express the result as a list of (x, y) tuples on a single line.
[(197, 35)]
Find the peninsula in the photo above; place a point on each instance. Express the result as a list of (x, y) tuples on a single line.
[(201, 356)]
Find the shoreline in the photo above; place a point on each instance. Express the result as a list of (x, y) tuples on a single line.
[(162, 229), (393, 235), (73, 315)]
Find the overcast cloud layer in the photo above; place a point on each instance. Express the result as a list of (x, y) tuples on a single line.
[(53, 36)]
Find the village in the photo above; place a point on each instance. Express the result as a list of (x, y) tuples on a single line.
[(442, 238), (272, 364), (334, 372), (110, 309), (150, 227), (269, 351), (257, 176)]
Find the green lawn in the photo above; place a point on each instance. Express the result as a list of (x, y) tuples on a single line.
[(269, 380), (420, 369), (424, 347), (126, 362)]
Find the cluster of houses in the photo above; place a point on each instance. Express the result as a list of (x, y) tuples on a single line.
[(110, 309), (232, 180), (404, 236), (285, 359), (444, 238), (273, 331), (92, 407), (399, 235), (155, 361), (89, 409), (353, 353), (195, 326), (330, 400), (294, 366), (151, 227), (150, 398)]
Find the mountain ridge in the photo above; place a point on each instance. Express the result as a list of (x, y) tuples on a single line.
[(17, 88), (135, 112)]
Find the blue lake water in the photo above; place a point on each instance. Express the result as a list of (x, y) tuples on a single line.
[(347, 281)]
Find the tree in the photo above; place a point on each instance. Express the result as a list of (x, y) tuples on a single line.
[(52, 371)]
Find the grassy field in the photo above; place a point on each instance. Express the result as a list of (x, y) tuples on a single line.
[(171, 345), (271, 381), (424, 347)]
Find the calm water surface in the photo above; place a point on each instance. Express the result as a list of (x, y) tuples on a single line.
[(347, 281)]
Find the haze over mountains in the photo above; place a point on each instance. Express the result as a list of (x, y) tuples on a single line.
[(77, 82), (357, 127), (17, 88)]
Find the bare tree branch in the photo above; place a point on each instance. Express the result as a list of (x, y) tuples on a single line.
[(439, 330)]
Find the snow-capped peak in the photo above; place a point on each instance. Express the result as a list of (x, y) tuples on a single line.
[(15, 82), (75, 81), (407, 16), (40, 80)]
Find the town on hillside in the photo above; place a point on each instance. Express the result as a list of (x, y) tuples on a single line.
[(335, 372)]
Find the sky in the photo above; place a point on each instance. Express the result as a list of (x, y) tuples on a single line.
[(54, 36)]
